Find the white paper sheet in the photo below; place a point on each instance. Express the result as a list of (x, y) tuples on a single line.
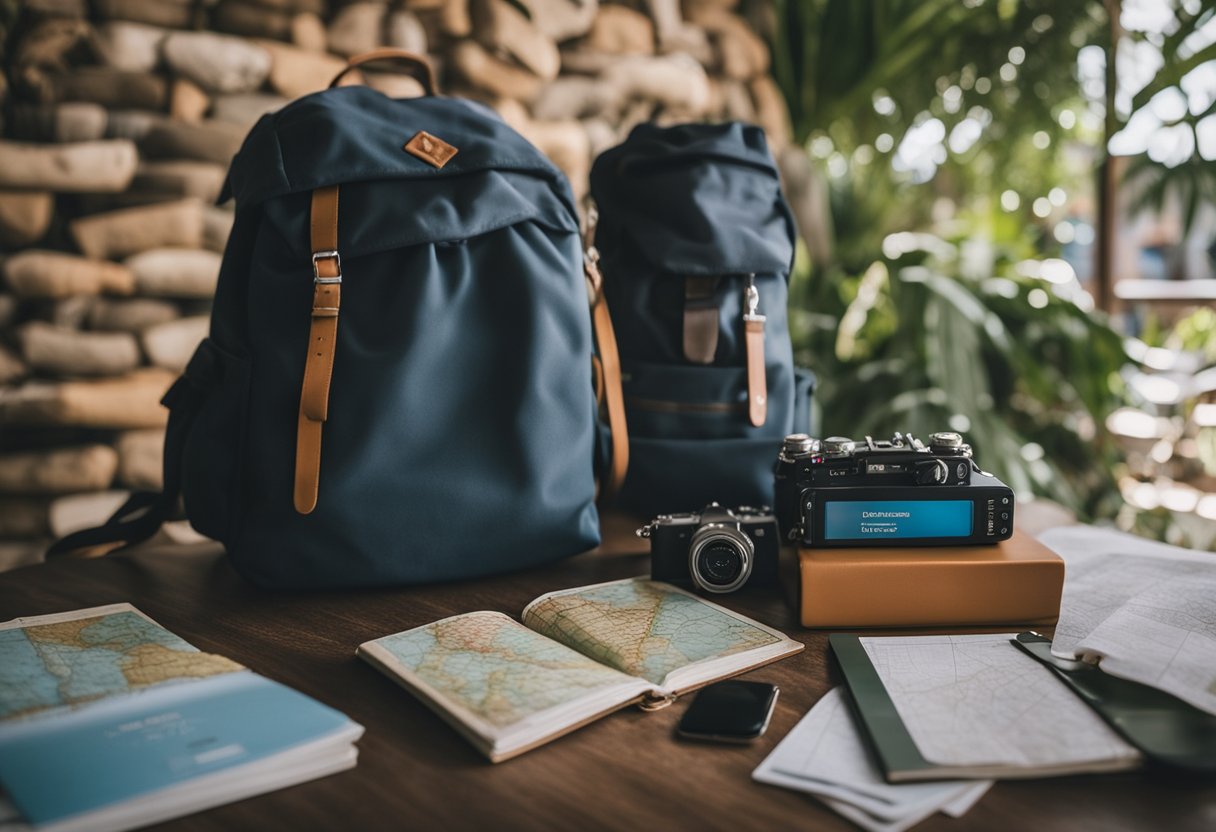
[(1146, 610), (825, 756), (979, 701)]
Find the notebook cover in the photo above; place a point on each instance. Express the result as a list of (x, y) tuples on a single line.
[(896, 751), (1016, 582)]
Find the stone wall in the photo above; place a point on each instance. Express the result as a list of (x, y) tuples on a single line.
[(120, 117)]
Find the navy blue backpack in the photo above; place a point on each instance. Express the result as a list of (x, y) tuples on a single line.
[(397, 387), (696, 243)]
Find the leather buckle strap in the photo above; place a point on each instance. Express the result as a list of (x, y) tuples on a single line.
[(753, 333), (609, 374), (317, 257), (605, 365), (322, 345)]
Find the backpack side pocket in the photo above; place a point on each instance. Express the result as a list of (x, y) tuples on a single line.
[(215, 447)]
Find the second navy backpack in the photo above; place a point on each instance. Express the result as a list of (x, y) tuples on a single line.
[(696, 244)]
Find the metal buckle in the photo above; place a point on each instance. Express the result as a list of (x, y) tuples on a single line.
[(591, 270), (321, 255), (751, 299)]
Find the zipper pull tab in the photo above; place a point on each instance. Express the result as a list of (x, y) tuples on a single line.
[(753, 333), (751, 301)]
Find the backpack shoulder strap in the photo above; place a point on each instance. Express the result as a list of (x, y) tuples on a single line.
[(322, 344), (144, 511), (608, 376)]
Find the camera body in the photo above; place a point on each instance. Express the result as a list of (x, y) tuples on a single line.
[(717, 549), (837, 493)]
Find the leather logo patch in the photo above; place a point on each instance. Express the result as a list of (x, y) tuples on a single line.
[(430, 149)]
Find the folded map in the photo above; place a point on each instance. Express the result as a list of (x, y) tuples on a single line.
[(109, 721), (578, 654), (1142, 609)]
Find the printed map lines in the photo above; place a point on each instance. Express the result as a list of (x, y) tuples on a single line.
[(495, 667), (69, 663)]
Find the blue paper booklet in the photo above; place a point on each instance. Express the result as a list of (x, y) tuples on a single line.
[(108, 721)]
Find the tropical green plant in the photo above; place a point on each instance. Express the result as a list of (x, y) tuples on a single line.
[(1197, 333), (833, 58), (1170, 125), (915, 331), (996, 80), (1014, 360)]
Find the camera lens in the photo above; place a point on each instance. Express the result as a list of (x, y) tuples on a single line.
[(720, 562), (720, 558)]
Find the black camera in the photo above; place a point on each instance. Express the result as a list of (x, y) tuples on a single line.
[(838, 492), (717, 550)]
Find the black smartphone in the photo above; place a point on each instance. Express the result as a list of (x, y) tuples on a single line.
[(729, 712)]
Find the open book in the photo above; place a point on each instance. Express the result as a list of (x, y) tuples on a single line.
[(578, 655), (109, 721)]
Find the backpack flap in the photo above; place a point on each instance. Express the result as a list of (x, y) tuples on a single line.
[(695, 199)]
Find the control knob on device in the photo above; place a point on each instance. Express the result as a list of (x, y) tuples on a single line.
[(799, 444), (946, 440), (838, 446)]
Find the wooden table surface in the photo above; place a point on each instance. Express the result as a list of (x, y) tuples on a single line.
[(627, 771)]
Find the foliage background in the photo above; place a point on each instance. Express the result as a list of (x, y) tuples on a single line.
[(943, 138)]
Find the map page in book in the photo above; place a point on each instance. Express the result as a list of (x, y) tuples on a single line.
[(578, 654), (78, 657), (495, 668), (646, 629)]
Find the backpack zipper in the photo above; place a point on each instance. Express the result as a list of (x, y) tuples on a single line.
[(753, 337), (665, 406)]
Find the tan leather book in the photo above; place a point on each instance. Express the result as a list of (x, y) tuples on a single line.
[(1016, 582)]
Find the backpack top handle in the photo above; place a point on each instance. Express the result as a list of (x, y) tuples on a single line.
[(416, 66)]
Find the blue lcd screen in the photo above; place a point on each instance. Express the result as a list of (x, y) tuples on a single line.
[(896, 519)]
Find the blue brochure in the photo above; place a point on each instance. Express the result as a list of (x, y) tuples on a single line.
[(108, 721)]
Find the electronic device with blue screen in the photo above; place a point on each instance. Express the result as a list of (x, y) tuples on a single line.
[(902, 492)]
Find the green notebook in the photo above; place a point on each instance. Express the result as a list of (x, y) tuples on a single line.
[(971, 707), (944, 707)]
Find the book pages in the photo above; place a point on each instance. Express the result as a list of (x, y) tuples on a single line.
[(647, 629), (496, 669), (578, 655), (503, 686)]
